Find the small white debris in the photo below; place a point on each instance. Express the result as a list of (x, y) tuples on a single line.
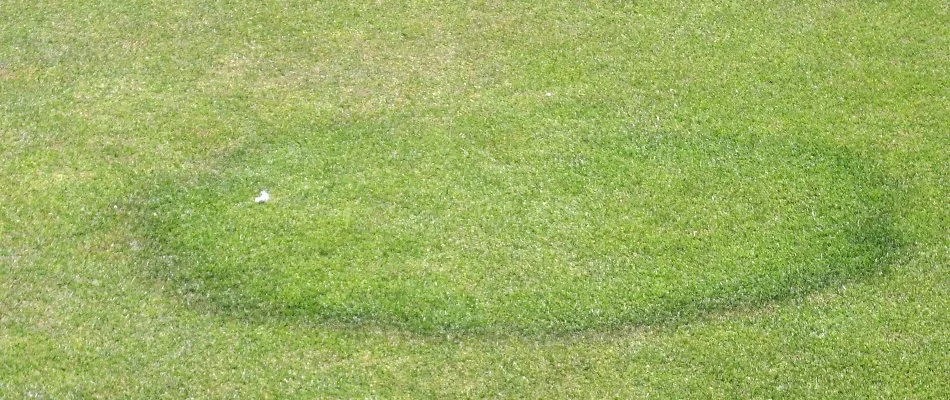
[(549, 94), (263, 198)]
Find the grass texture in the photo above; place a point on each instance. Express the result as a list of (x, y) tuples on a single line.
[(609, 230), (474, 199)]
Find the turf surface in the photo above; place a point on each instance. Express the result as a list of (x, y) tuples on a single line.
[(486, 199), (579, 232)]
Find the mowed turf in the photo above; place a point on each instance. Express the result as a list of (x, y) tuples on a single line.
[(423, 181), (566, 229), (478, 199)]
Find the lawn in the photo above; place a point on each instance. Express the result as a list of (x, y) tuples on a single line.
[(474, 199)]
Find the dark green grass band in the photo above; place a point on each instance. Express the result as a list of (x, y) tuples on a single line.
[(594, 232)]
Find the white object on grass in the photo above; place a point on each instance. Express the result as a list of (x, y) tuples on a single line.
[(263, 198)]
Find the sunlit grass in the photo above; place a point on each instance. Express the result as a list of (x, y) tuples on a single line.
[(482, 199)]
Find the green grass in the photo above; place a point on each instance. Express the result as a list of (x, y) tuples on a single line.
[(610, 231), (609, 199)]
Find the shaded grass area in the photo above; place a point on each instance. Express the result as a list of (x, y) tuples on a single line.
[(111, 111)]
